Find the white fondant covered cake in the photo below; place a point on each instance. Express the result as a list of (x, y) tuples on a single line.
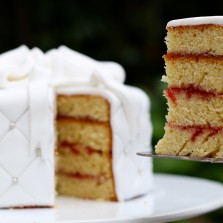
[(29, 82)]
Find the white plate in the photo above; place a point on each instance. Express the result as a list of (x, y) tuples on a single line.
[(174, 198)]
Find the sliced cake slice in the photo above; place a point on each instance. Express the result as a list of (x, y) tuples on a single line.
[(194, 71)]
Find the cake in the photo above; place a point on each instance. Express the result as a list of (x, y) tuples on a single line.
[(194, 71), (70, 127)]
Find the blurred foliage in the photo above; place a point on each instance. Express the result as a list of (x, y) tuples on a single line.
[(129, 32)]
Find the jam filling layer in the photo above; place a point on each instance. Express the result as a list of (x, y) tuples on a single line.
[(85, 119), (189, 91), (98, 178), (193, 56), (76, 150), (197, 130)]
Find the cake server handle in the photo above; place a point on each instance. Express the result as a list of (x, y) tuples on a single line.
[(199, 159)]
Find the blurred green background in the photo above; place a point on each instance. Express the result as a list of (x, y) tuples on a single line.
[(129, 32)]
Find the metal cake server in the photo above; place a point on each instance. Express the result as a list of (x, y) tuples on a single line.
[(199, 159)]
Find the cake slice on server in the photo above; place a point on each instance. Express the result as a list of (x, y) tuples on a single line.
[(194, 74), (26, 130)]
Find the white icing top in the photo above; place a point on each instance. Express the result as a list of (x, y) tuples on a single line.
[(70, 72), (69, 67), (218, 20)]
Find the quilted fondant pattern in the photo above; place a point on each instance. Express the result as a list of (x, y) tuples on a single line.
[(22, 171)]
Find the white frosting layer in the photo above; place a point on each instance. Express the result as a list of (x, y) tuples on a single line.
[(70, 72), (218, 20)]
